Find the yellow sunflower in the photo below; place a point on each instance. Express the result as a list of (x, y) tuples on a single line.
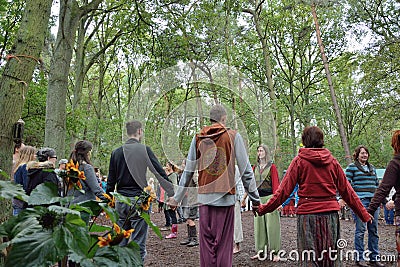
[(104, 241), (111, 202)]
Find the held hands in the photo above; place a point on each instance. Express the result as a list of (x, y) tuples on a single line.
[(390, 205), (172, 203), (254, 208), (342, 204), (371, 218)]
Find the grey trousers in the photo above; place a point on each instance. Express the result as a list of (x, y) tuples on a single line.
[(139, 236)]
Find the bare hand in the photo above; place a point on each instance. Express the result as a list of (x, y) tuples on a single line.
[(342, 204), (390, 205), (172, 203), (254, 208), (371, 218), (280, 208)]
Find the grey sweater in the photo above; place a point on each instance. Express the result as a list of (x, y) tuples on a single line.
[(90, 185)]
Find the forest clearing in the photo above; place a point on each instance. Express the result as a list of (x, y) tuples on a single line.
[(75, 71), (169, 253)]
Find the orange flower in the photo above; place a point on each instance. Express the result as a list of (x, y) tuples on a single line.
[(148, 189), (71, 165), (104, 241), (78, 184), (128, 233), (117, 228), (81, 175), (111, 199), (145, 206)]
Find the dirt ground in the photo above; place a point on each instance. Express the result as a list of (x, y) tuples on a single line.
[(168, 252)]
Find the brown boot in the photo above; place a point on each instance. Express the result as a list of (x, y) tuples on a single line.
[(193, 236), (187, 241)]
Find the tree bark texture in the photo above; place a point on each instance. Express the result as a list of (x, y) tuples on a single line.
[(22, 61), (58, 76), (268, 68), (69, 17)]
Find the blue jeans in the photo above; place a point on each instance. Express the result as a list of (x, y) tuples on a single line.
[(373, 238), (139, 236), (389, 215)]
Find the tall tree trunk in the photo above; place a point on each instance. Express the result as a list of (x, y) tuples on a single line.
[(79, 65), (69, 17), (58, 76), (342, 132), (268, 67), (15, 79)]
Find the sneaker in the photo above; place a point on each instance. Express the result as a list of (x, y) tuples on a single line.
[(193, 243), (171, 235)]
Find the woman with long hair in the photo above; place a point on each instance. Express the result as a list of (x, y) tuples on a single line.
[(390, 179), (81, 155), (26, 154), (267, 228)]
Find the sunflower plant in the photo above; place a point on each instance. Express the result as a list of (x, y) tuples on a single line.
[(50, 230), (71, 177)]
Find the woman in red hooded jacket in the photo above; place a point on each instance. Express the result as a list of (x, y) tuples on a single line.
[(319, 176)]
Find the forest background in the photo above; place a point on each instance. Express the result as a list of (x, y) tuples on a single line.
[(76, 70)]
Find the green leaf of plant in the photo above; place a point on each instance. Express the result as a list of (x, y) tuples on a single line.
[(44, 194), (79, 244), (24, 224), (80, 208), (93, 205), (38, 249), (112, 213), (63, 210), (3, 173), (117, 256), (96, 228), (65, 201), (9, 190), (147, 219), (121, 198), (75, 220)]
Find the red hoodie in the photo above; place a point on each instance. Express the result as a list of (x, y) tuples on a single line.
[(319, 176)]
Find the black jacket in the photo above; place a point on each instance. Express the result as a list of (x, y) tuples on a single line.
[(38, 173), (128, 167)]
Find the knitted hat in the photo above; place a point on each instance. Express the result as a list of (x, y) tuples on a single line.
[(45, 153), (63, 161)]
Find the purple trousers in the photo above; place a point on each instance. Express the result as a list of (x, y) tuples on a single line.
[(216, 236)]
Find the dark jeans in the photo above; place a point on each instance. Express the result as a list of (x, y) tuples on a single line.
[(389, 215), (170, 217), (139, 236)]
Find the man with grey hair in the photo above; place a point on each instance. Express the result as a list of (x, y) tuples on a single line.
[(214, 151)]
